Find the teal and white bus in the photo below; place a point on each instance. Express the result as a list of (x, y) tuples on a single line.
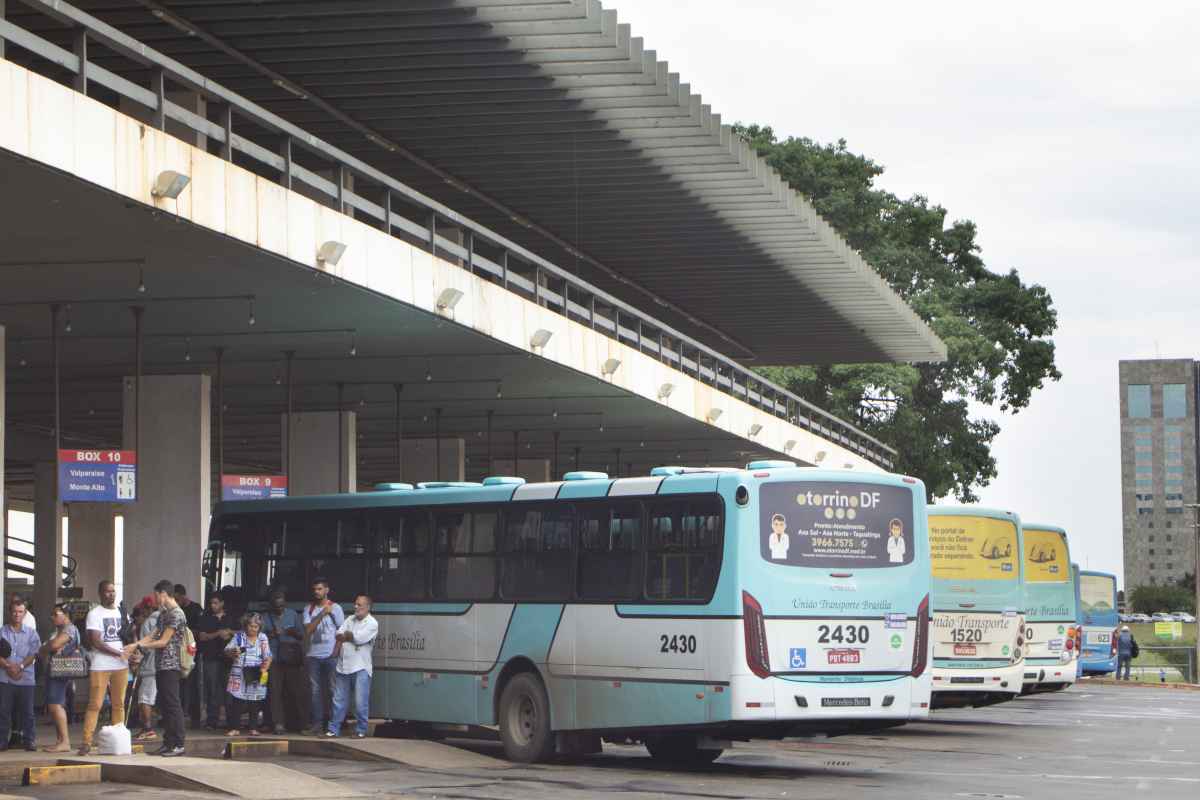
[(684, 609), (1099, 622), (978, 620), (1051, 632)]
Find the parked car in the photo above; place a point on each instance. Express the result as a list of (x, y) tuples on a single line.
[(1162, 616), (1183, 616), (1125, 617), (1139, 618)]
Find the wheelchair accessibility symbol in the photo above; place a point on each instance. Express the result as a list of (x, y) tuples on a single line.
[(798, 658)]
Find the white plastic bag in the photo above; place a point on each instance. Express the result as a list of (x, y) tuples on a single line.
[(114, 740)]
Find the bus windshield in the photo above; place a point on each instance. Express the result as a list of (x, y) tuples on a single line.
[(1046, 557), (826, 524), (973, 548)]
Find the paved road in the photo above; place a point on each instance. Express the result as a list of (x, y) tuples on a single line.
[(1098, 743)]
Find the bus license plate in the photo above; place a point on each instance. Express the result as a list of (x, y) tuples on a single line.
[(840, 702), (1102, 638)]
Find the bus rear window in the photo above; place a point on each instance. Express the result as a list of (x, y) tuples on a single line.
[(826, 524), (968, 548), (1046, 557)]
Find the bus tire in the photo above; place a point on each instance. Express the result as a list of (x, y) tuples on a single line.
[(681, 749), (525, 720)]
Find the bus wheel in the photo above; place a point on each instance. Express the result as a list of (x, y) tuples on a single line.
[(525, 720), (680, 748)]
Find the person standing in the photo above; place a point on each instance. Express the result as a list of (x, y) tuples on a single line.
[(64, 640), (192, 684), (1127, 650), (215, 629), (167, 640), (109, 669), (16, 679), (147, 673), (286, 696), (322, 619), (356, 640), (29, 621), (250, 655)]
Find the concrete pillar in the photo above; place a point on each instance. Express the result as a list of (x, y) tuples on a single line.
[(47, 541), (316, 454), (533, 470), (3, 415), (166, 530), (419, 460), (90, 544)]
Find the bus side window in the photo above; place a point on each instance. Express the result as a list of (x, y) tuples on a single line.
[(464, 561), (337, 554), (538, 552), (609, 549), (683, 551), (399, 543)]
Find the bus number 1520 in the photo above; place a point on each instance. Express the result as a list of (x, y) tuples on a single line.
[(677, 644)]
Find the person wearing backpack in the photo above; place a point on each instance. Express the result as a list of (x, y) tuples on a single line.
[(1127, 650), (169, 640)]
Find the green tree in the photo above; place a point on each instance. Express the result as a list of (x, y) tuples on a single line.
[(1152, 598), (996, 328)]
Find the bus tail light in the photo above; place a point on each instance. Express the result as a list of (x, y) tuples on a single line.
[(921, 643), (757, 656), (1072, 638)]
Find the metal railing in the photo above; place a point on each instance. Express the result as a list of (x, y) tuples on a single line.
[(404, 212), (1156, 664)]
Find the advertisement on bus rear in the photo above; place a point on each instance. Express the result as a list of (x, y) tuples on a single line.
[(831, 524), (1096, 594), (1046, 559), (973, 548)]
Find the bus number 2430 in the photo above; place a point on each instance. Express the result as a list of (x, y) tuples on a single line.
[(677, 644)]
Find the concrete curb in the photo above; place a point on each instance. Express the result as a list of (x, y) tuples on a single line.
[(1185, 687)]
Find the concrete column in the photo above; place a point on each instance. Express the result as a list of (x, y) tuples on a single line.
[(315, 452), (533, 470), (90, 544), (3, 415), (166, 530), (419, 460), (47, 541)]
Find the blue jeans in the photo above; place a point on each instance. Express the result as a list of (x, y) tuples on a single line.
[(360, 684), (321, 674), (16, 701)]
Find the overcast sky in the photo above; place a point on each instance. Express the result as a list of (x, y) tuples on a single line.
[(1069, 132)]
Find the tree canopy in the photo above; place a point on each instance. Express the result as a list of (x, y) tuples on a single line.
[(996, 328)]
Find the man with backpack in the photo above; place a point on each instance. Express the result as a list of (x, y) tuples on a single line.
[(173, 662), (1127, 650)]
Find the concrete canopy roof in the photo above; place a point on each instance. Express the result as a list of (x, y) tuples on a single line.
[(547, 121)]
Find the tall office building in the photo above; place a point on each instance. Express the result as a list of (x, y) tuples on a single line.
[(1158, 468)]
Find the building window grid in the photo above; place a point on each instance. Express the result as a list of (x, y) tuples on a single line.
[(1139, 400), (1174, 397)]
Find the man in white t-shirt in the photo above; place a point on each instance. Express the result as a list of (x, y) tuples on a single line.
[(109, 667), (778, 541)]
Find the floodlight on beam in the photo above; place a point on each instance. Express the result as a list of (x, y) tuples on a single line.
[(330, 253), (820, 456), (448, 299), (609, 367), (788, 445), (714, 414), (169, 184), (755, 429), (664, 391), (541, 337), (847, 465)]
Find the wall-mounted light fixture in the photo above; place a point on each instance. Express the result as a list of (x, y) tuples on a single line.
[(755, 429), (448, 299), (788, 445), (169, 184), (664, 391), (821, 456), (714, 414), (541, 337), (610, 366), (330, 253)]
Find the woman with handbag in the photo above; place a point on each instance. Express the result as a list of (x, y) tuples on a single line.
[(250, 655), (65, 664)]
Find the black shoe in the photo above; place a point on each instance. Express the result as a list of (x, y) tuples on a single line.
[(162, 750), (172, 752), (31, 747)]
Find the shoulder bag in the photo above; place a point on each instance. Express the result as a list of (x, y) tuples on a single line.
[(68, 665)]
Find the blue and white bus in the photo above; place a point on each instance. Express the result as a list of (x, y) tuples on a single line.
[(1051, 632), (978, 620), (1098, 616), (684, 609)]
